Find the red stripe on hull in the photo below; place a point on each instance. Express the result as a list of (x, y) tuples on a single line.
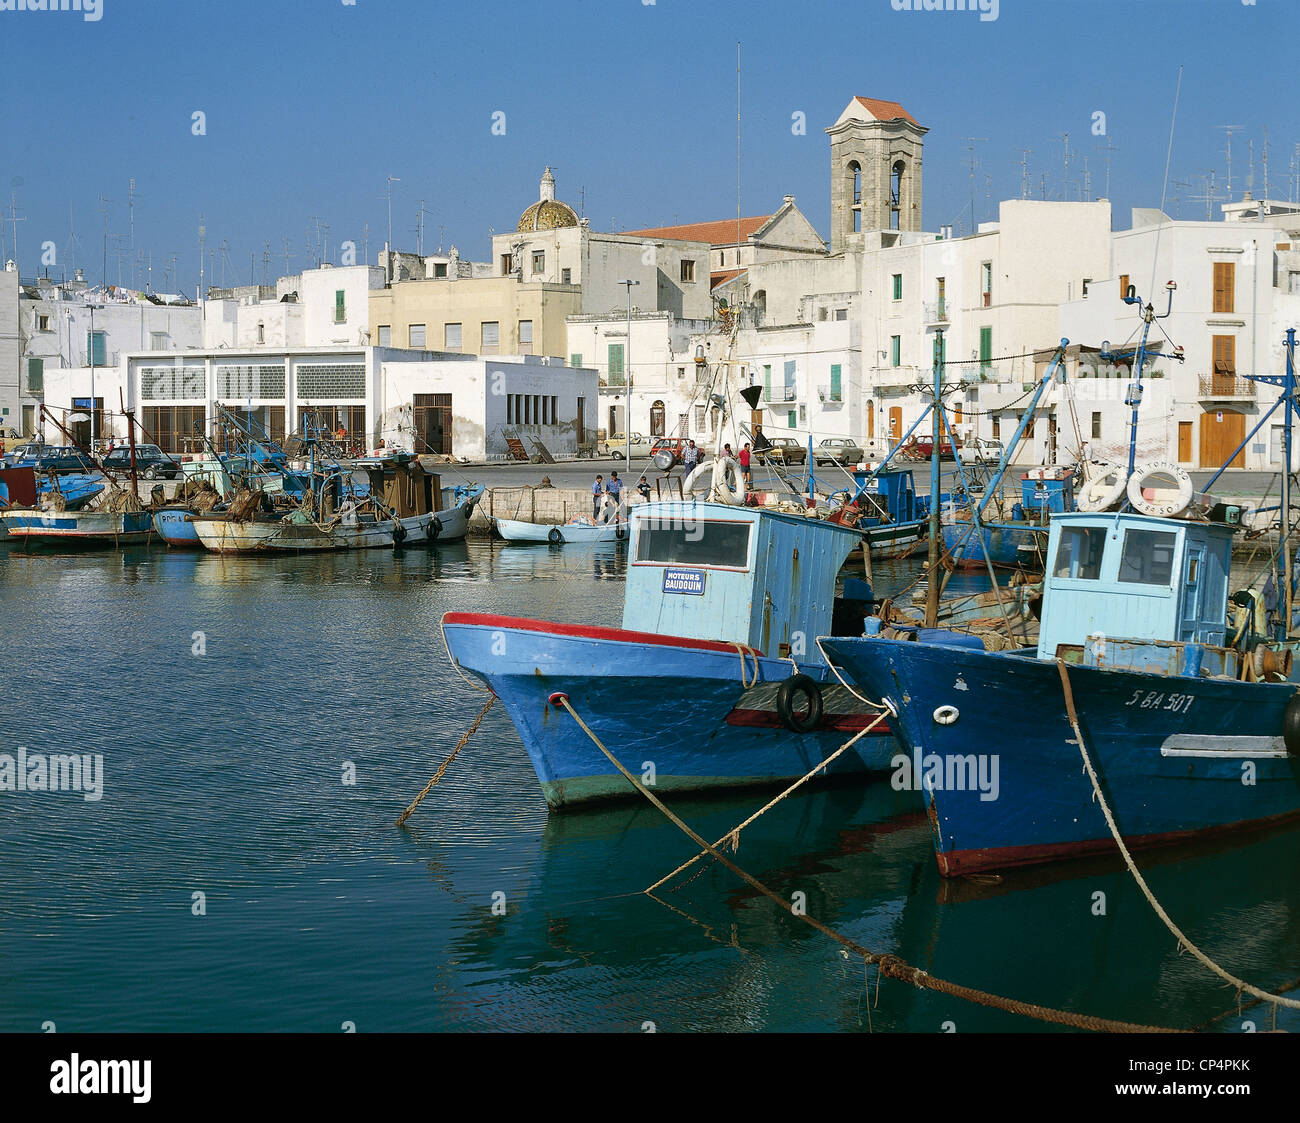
[(957, 863), (584, 631)]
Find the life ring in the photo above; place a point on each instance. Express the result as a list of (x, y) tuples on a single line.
[(1104, 489), (728, 482), (1164, 505), (792, 720), (434, 529), (555, 538), (1291, 726), (399, 535), (692, 482)]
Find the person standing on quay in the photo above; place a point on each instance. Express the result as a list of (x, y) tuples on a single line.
[(597, 495), (690, 456), (615, 491), (744, 468)]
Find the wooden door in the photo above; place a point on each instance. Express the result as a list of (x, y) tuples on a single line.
[(431, 417), (895, 423), (1222, 430), (1184, 442), (871, 421)]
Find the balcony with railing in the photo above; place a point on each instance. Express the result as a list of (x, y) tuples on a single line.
[(1225, 387), (936, 312), (896, 379)]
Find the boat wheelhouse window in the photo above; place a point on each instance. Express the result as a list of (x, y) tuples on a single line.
[(1079, 552), (1148, 557), (702, 542)]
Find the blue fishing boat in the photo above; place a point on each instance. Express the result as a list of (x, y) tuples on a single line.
[(1190, 727), (1018, 541), (714, 679)]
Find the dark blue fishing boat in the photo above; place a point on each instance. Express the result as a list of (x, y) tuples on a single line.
[(714, 679), (1191, 727)]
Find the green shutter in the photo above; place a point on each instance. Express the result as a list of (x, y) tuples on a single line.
[(790, 418), (96, 348), (767, 382), (986, 350), (35, 375), (575, 360), (896, 350), (898, 286), (616, 364), (835, 382), (340, 307)]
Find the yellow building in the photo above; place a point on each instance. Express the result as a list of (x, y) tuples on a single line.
[(474, 315)]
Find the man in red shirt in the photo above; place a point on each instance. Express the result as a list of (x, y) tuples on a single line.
[(744, 467)]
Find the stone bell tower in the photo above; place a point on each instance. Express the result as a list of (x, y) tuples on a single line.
[(875, 171)]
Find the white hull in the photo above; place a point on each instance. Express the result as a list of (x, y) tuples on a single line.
[(229, 536), (514, 531)]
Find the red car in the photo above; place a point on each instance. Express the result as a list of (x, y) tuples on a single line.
[(675, 445), (920, 448)]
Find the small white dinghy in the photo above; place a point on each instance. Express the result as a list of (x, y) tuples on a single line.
[(580, 528)]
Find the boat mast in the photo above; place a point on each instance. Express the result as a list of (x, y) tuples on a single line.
[(1284, 546), (933, 582)]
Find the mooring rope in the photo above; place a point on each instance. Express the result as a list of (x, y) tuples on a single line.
[(835, 671), (741, 648), (1183, 941), (443, 766), (732, 837), (885, 964)]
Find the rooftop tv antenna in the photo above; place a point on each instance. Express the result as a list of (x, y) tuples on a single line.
[(971, 141), (103, 209), (1229, 130), (1108, 148), (1024, 172)]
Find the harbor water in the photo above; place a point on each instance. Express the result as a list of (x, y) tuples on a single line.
[(262, 722)]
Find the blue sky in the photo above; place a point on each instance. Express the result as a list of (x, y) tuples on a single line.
[(311, 104)]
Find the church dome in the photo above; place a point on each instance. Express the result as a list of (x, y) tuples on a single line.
[(548, 213)]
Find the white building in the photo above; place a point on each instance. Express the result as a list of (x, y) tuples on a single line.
[(11, 375), (64, 325), (468, 406)]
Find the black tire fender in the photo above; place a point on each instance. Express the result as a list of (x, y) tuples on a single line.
[(555, 538), (799, 684), (619, 532), (399, 535), (1291, 726), (435, 529)]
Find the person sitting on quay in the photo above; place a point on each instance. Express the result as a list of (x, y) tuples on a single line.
[(644, 488)]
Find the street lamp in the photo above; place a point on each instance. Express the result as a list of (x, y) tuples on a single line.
[(627, 363), (91, 339)]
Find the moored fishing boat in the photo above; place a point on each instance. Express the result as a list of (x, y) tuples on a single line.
[(713, 681), (1184, 728)]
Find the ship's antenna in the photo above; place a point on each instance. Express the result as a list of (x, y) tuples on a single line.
[(1164, 190)]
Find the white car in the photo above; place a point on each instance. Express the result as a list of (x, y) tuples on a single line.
[(616, 447), (984, 449)]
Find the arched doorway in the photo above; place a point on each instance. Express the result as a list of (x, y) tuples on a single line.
[(657, 419), (1222, 430)]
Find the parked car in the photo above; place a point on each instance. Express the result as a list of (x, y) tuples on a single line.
[(675, 445), (985, 450), (51, 458), (151, 463), (920, 448), (785, 450), (616, 446), (838, 450)]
